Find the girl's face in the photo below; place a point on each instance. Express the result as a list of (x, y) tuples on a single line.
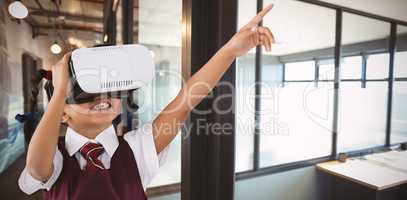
[(100, 112)]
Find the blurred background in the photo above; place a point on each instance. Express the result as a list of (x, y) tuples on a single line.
[(34, 34)]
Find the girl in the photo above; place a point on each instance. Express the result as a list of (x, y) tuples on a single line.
[(91, 162)]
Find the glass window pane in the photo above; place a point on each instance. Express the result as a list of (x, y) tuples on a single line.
[(399, 105), (362, 111), (357, 30), (399, 113), (400, 64), (362, 35), (377, 66), (297, 32), (392, 9), (300, 71), (245, 90), (351, 67), (326, 70), (296, 123), (362, 115), (296, 120), (166, 49)]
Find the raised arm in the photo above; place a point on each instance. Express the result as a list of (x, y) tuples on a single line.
[(43, 144), (169, 122)]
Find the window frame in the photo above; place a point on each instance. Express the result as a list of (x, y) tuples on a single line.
[(256, 170)]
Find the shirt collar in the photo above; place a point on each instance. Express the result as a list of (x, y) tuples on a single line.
[(107, 138)]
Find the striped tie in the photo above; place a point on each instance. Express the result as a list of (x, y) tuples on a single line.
[(91, 152)]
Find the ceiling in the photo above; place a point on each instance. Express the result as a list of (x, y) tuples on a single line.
[(81, 21), (74, 22)]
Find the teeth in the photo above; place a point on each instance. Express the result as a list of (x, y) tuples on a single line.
[(101, 106)]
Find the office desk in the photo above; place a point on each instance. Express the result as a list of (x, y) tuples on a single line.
[(376, 176)]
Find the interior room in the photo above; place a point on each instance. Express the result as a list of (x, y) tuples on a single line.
[(322, 116)]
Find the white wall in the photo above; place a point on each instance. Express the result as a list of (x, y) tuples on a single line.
[(19, 41)]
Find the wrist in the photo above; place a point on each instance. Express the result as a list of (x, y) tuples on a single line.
[(59, 94)]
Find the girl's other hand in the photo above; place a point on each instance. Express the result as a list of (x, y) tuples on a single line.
[(251, 35), (60, 76)]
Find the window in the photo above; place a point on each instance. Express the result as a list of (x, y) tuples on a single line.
[(362, 115), (378, 66), (363, 108), (400, 65), (351, 67), (295, 113), (245, 75), (399, 109), (297, 118), (301, 127), (166, 50), (326, 70), (300, 71), (399, 118), (245, 91)]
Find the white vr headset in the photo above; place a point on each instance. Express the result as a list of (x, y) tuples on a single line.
[(111, 70)]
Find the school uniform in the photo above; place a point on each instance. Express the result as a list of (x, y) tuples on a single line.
[(108, 167)]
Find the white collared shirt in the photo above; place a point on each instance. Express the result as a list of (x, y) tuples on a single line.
[(141, 142)]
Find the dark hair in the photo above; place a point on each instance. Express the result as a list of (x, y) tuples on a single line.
[(103, 45)]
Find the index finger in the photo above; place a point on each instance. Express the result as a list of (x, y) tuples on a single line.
[(257, 19)]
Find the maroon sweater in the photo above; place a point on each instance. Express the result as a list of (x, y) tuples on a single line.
[(121, 181)]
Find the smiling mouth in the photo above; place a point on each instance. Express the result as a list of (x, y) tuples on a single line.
[(101, 105)]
